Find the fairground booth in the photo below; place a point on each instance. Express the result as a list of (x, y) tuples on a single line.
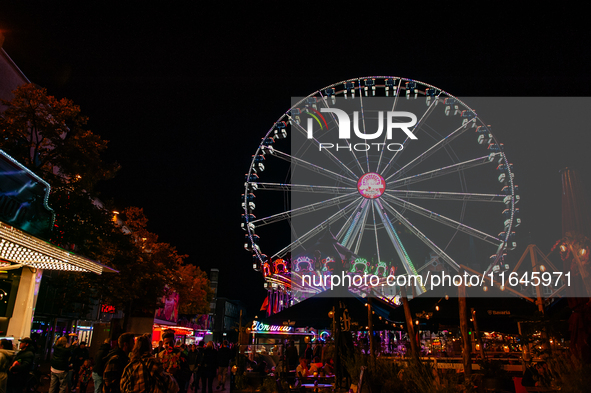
[(26, 222), (313, 321), (187, 329)]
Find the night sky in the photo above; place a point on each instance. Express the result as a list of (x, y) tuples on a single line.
[(173, 87)]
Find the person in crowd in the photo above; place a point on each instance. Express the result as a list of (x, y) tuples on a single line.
[(60, 362), (79, 355), (23, 363), (329, 367), (116, 360), (302, 369), (280, 368), (198, 367), (192, 357), (544, 377), (6, 356), (224, 354), (85, 375), (234, 348), (208, 367), (174, 361), (317, 352), (292, 355), (308, 353), (260, 365), (159, 348), (530, 376), (99, 365), (315, 365), (144, 373)]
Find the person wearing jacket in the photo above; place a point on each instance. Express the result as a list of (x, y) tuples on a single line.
[(22, 365), (6, 355), (224, 356), (144, 373), (175, 361), (209, 367), (99, 365), (79, 355), (59, 365), (116, 361)]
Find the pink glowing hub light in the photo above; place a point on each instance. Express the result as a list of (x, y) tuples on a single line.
[(371, 185)]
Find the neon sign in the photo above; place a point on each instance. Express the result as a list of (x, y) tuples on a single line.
[(282, 263), (266, 269), (106, 308), (304, 260), (263, 327)]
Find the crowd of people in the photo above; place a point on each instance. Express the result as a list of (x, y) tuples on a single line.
[(129, 364), (315, 359)]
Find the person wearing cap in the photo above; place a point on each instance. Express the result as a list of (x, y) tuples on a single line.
[(22, 365)]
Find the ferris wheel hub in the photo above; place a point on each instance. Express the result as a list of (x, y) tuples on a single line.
[(371, 185)]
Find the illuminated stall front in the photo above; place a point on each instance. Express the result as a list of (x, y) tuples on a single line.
[(186, 331), (25, 221), (273, 339)]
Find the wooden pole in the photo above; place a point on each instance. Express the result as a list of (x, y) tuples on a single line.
[(370, 326), (464, 328), (539, 301), (409, 325), (240, 333), (478, 336)]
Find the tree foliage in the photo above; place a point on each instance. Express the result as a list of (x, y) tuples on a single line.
[(47, 135), (147, 268)]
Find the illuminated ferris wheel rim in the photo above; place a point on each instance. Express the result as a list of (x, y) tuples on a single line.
[(390, 193)]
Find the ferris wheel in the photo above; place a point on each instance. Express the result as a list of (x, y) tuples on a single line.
[(399, 172)]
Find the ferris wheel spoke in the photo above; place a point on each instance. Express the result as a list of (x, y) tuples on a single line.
[(355, 224), (304, 209), (448, 196), (361, 231), (375, 227), (356, 124), (460, 166), (314, 168), (400, 250), (314, 231), (443, 220), (336, 121), (433, 149), (422, 237), (348, 222), (396, 95), (416, 127), (305, 188), (327, 152)]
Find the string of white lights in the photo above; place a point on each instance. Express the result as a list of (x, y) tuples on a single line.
[(20, 247)]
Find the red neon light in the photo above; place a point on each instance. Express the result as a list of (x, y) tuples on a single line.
[(106, 308)]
